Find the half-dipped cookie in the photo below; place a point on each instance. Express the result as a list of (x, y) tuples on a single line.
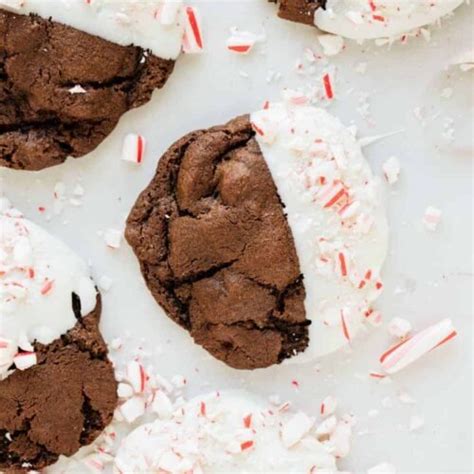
[(264, 237), (69, 71), (362, 19), (57, 386)]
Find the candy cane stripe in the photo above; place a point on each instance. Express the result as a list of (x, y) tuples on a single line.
[(410, 350)]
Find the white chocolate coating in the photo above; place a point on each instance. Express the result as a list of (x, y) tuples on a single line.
[(335, 211), (226, 432), (155, 25), (364, 19), (38, 275)]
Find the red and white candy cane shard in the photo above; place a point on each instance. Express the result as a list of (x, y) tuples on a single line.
[(192, 41), (133, 148), (344, 326), (331, 194), (401, 355), (136, 375), (241, 42)]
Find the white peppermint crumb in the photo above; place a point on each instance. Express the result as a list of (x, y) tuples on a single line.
[(295, 429), (78, 89), (327, 427), (78, 190), (132, 409), (105, 283), (116, 344), (382, 468), (416, 423), (391, 169), (75, 202), (113, 238), (124, 390), (399, 327), (274, 400), (331, 44), (406, 398)]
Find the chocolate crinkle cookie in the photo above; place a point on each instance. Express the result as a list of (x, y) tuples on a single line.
[(62, 91), (216, 250), (301, 11), (60, 404)]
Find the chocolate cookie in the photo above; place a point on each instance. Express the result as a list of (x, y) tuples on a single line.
[(301, 11), (62, 91), (61, 403), (216, 251)]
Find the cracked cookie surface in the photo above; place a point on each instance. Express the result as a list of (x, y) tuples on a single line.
[(300, 11), (59, 405), (41, 121), (216, 251)]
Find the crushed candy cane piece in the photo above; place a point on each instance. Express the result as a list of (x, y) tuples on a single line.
[(331, 44), (327, 427), (295, 429), (411, 349), (162, 405), (242, 42), (78, 89), (192, 40), (25, 360), (136, 375), (399, 327), (124, 390), (416, 423), (328, 88), (391, 169), (328, 406), (340, 439), (133, 148), (105, 283), (406, 398), (432, 218), (113, 238), (133, 409)]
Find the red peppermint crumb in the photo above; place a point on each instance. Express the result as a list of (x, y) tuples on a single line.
[(47, 287), (248, 421), (246, 445), (328, 86)]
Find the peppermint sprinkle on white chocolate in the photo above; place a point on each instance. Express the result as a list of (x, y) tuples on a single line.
[(38, 277), (372, 19), (230, 432), (336, 214), (164, 27)]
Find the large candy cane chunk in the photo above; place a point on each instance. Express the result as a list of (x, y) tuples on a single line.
[(407, 352)]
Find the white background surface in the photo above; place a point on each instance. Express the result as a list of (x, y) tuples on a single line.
[(428, 276)]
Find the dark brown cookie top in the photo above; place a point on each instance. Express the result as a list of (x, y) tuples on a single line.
[(301, 11), (41, 121), (216, 250), (62, 403)]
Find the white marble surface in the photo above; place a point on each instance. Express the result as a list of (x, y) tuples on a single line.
[(433, 269)]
